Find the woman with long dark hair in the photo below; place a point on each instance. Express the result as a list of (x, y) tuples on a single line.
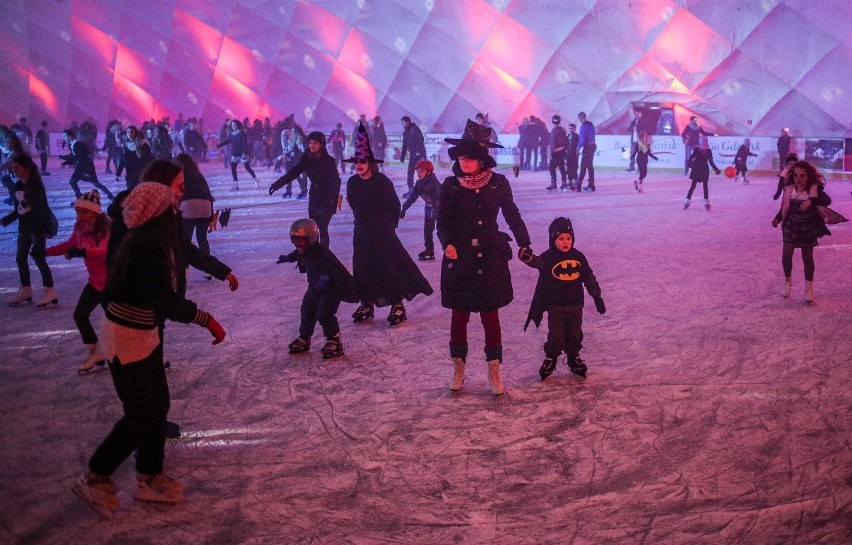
[(239, 152)]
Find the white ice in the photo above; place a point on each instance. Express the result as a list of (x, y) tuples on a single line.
[(715, 411)]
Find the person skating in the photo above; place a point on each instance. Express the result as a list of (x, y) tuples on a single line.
[(586, 145), (239, 152), (413, 144), (558, 144), (562, 272), (328, 283), (84, 165), (383, 270), (699, 170), (428, 187), (89, 241), (643, 151), (475, 274), (741, 161)]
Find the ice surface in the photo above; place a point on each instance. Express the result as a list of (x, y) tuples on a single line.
[(715, 411)]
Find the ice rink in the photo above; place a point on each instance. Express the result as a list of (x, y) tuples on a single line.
[(715, 411)]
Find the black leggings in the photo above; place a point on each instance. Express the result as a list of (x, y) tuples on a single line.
[(199, 226), (26, 242), (807, 260), (89, 300), (692, 188), (248, 169)]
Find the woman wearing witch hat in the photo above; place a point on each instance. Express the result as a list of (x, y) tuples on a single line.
[(383, 270), (475, 270)]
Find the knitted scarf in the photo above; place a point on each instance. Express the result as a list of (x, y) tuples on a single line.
[(475, 181)]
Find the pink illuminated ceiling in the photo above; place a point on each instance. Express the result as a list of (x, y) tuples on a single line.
[(744, 67)]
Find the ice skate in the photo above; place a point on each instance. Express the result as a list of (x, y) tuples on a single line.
[(636, 185), (706, 204), (640, 187), (158, 488), (576, 365), (256, 183), (364, 312), (551, 187), (25, 293), (589, 188), (98, 494), (745, 181), (564, 187), (809, 291), (397, 315), (236, 187), (94, 358), (299, 345), (685, 204), (426, 255), (458, 374), (494, 379), (302, 196), (48, 298), (287, 194), (788, 287), (333, 347), (547, 367)]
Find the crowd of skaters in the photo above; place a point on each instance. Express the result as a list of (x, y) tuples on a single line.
[(153, 216)]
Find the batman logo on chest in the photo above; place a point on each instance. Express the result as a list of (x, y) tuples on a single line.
[(567, 270)]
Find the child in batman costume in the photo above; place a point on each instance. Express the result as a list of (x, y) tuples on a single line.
[(563, 270), (328, 283)]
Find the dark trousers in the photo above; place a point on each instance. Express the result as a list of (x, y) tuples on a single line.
[(144, 393), (634, 149), (587, 163), (323, 220), (248, 169), (493, 336), (92, 178), (43, 158), (807, 261), (428, 230), (692, 188), (557, 160), (564, 332), (319, 306), (688, 153), (89, 299), (643, 168), (413, 159), (10, 187), (199, 226), (532, 157), (35, 243), (572, 163), (542, 150)]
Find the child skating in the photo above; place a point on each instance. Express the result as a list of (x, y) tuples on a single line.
[(643, 151), (89, 241), (428, 188), (328, 283), (699, 164), (741, 160), (562, 272)]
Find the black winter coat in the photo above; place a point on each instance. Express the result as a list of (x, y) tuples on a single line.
[(239, 144), (31, 209), (325, 182), (479, 280), (412, 142), (383, 270), (319, 261), (700, 162), (135, 162), (429, 188)]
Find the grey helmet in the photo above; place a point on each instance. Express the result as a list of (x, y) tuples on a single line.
[(306, 228)]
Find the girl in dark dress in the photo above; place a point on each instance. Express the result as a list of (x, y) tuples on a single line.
[(383, 270), (475, 269), (700, 162)]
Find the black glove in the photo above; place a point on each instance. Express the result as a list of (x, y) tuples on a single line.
[(76, 252), (4, 222), (284, 259), (599, 304), (525, 254), (271, 190)]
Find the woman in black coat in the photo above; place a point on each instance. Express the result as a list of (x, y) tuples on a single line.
[(475, 270), (699, 164), (137, 155), (383, 270)]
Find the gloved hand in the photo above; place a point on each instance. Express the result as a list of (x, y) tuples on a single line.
[(599, 304), (718, 171), (271, 190), (215, 329), (401, 214), (76, 252), (525, 254), (232, 281), (322, 283), (4, 222), (285, 259)]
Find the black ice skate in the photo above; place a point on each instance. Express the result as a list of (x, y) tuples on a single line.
[(576, 365), (547, 367), (333, 348), (397, 315), (299, 345), (364, 312), (426, 255)]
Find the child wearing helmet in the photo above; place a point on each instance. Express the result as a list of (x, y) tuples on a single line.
[(563, 271), (328, 283), (428, 187)]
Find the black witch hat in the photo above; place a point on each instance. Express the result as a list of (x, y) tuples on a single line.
[(475, 141), (475, 131), (362, 147)]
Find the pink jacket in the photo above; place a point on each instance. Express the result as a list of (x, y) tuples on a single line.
[(95, 259)]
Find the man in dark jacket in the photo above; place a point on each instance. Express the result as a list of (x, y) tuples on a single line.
[(690, 136), (324, 193), (783, 148), (558, 141), (84, 166), (415, 146)]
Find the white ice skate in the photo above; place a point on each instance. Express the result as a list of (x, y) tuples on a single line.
[(49, 298), (25, 293)]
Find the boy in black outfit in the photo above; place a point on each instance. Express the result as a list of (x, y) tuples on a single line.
[(328, 283), (562, 272), (428, 188)]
